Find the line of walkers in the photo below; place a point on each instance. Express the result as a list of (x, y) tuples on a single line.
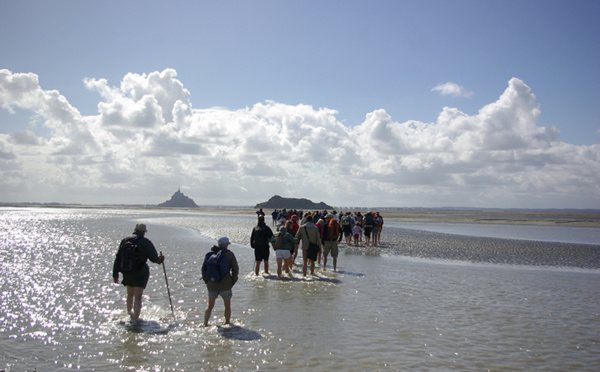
[(318, 232), (353, 224)]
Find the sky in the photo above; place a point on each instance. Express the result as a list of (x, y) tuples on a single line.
[(491, 104)]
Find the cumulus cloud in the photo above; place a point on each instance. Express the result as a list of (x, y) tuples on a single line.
[(452, 89), (147, 140)]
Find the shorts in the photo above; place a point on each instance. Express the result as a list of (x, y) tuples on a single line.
[(356, 236), (261, 253), (139, 279), (283, 253), (330, 246), (347, 233), (368, 231), (226, 295)]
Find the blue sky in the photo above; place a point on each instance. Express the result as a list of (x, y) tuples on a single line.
[(406, 64)]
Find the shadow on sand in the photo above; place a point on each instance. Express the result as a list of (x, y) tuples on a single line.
[(310, 278), (235, 332), (147, 326)]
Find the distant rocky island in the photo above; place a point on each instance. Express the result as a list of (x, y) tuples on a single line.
[(277, 202), (178, 200)]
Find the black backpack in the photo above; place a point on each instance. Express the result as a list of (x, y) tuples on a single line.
[(260, 237), (129, 260), (369, 219)]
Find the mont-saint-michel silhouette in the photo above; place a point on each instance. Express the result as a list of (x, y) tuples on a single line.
[(178, 200)]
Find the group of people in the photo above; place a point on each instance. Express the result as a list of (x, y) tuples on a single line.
[(291, 237), (136, 278), (315, 234), (324, 229), (353, 224)]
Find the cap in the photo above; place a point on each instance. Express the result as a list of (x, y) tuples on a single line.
[(141, 227), (223, 241)]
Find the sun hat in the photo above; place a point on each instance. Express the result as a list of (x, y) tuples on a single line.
[(141, 227)]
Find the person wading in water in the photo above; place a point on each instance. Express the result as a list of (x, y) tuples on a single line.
[(131, 259)]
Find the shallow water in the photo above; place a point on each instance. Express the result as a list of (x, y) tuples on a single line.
[(564, 234), (407, 305)]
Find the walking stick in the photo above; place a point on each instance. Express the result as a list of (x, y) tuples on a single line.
[(168, 290)]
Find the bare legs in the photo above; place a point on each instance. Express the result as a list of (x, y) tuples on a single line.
[(257, 267), (211, 305), (134, 301), (286, 264), (305, 261), (325, 262)]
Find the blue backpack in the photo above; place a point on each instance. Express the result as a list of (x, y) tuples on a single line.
[(216, 266)]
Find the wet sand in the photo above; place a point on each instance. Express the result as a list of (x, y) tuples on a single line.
[(430, 245)]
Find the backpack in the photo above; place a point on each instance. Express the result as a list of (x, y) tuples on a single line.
[(346, 220), (333, 229), (260, 236), (369, 219), (216, 266), (278, 240), (129, 261)]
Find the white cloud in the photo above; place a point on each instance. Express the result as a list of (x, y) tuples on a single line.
[(147, 140), (452, 89)]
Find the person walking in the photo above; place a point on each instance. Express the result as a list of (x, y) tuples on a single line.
[(359, 218), (346, 222), (220, 287), (309, 233), (259, 241), (320, 225), (375, 230), (131, 258), (356, 232), (283, 247), (368, 222), (379, 220), (294, 231), (331, 231)]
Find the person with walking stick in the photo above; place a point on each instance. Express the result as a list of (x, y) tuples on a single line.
[(130, 260), (220, 273)]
